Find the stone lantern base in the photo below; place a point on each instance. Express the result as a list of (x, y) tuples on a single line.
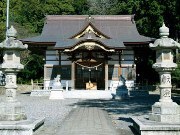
[(165, 112), (164, 120), (13, 120), (23, 127), (148, 127), (12, 111)]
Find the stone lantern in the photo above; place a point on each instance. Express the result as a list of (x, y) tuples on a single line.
[(11, 109), (165, 110), (13, 119), (165, 116)]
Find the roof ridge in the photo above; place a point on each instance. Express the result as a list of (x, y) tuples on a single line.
[(113, 17), (97, 17), (66, 17)]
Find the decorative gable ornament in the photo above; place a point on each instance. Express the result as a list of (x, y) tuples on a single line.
[(89, 46)]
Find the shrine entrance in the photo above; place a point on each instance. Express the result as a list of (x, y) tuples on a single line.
[(89, 76)]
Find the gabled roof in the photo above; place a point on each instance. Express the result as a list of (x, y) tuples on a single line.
[(91, 25), (60, 29)]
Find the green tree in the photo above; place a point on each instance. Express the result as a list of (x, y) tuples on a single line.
[(34, 68), (100, 7), (171, 16), (149, 14), (176, 73), (58, 7), (80, 7), (149, 17), (2, 20), (29, 13)]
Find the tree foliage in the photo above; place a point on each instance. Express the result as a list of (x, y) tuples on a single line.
[(2, 19), (33, 68)]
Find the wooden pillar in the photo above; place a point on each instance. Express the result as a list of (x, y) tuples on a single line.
[(59, 61), (106, 75), (73, 75), (59, 58), (120, 59)]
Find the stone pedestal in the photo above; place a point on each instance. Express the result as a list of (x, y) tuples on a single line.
[(40, 93), (56, 94), (121, 91)]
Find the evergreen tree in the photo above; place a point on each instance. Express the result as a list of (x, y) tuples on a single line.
[(2, 20)]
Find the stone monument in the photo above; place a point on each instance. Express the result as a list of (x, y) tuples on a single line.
[(165, 116), (57, 90), (13, 119)]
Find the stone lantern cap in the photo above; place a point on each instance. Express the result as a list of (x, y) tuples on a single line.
[(11, 43), (164, 41)]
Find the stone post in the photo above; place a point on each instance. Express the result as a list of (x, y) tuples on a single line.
[(165, 111)]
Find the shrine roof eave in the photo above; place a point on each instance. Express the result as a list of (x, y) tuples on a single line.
[(38, 44), (137, 43), (75, 44)]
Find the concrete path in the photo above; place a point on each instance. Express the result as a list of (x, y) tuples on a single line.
[(87, 121)]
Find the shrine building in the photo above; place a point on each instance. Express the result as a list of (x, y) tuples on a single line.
[(90, 52)]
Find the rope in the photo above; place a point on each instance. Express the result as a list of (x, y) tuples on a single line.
[(88, 66)]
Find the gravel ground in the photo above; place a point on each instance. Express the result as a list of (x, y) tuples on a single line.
[(54, 111)]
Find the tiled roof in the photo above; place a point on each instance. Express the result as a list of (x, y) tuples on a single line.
[(60, 28)]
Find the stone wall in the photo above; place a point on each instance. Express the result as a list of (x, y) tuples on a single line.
[(24, 88), (21, 88)]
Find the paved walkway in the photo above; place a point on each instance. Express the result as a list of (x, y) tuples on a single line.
[(87, 121)]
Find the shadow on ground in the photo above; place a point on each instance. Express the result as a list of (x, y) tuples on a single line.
[(134, 105), (122, 110), (137, 105)]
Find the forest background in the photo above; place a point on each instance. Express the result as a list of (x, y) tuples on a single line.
[(28, 17)]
